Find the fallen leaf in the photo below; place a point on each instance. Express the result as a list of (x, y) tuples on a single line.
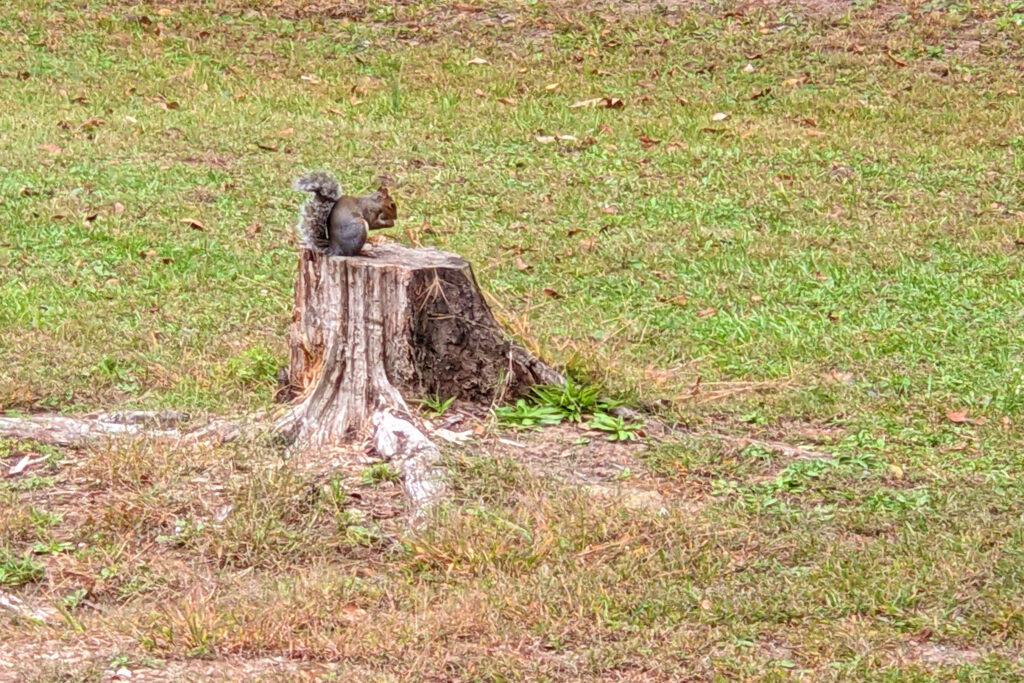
[(51, 148), (968, 78), (647, 142), (269, 148), (719, 116), (705, 604), (521, 264), (252, 229), (759, 93), (309, 78), (81, 99), (812, 133), (749, 68), (477, 61), (193, 223), (957, 416), (707, 312), (682, 100), (605, 128), (545, 139), (793, 82), (507, 100), (604, 102), (610, 209), (285, 131), (164, 11), (894, 59), (552, 86), (896, 470), (551, 293), (335, 111), (756, 298), (479, 93), (118, 207), (87, 221), (587, 244)]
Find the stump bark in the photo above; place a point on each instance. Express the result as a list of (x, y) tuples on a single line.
[(369, 331)]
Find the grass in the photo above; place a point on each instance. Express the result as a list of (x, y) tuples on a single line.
[(835, 265)]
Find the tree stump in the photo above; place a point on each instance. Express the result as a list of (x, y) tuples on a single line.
[(370, 330)]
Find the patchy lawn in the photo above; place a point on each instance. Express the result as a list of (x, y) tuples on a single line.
[(799, 245)]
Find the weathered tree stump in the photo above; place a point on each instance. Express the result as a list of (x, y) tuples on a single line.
[(369, 331)]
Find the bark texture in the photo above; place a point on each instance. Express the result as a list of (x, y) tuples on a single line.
[(393, 322)]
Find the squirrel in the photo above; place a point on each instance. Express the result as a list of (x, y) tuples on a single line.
[(336, 223)]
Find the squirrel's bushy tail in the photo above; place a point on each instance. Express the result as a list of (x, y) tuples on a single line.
[(316, 210)]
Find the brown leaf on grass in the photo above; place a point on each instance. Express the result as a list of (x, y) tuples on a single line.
[(552, 86), (285, 132), (603, 102), (647, 142), (551, 293), (91, 124), (759, 93), (521, 264), (335, 111), (604, 128), (793, 82), (118, 207), (269, 148), (707, 312), (814, 133), (682, 100), (510, 101), (587, 244), (252, 229), (477, 61), (840, 376), (51, 148), (960, 416), (479, 93), (749, 68), (164, 104), (87, 221), (81, 99), (610, 209), (193, 223), (720, 116), (894, 59), (662, 274)]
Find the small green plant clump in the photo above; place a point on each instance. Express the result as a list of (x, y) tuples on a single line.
[(574, 401), (15, 571)]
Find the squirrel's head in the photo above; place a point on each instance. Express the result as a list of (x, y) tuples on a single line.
[(388, 212)]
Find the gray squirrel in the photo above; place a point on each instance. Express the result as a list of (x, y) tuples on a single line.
[(337, 224)]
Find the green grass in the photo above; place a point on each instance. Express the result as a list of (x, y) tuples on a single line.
[(838, 263)]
